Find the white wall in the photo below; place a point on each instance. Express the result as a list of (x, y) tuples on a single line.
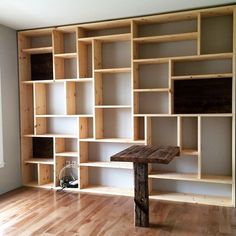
[(10, 177)]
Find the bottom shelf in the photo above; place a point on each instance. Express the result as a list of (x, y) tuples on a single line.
[(191, 198), (35, 184), (108, 190)]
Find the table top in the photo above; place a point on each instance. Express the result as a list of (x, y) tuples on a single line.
[(147, 154)]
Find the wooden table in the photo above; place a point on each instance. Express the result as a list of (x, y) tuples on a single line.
[(141, 155)]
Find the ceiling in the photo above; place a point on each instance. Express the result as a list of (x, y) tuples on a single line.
[(26, 14)]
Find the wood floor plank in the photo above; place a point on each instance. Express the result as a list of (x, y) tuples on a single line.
[(29, 211)]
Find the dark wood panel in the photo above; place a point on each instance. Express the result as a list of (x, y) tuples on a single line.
[(203, 96), (41, 66), (147, 154), (43, 147)]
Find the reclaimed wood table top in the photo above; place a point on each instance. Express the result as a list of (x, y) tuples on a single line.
[(147, 154)]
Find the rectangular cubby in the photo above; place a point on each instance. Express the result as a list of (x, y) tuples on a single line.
[(85, 127), (139, 128), (79, 98), (152, 76), (160, 28), (103, 30), (66, 147), (216, 34), (43, 148), (217, 146), (164, 131), (147, 103), (202, 67), (64, 42), (50, 99), (204, 96), (85, 60), (57, 126), (113, 123), (113, 88), (41, 66), (167, 49)]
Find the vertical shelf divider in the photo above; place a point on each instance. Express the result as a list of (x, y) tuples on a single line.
[(199, 128), (199, 34)]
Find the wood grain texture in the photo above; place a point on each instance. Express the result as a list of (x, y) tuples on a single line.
[(29, 211), (147, 154)]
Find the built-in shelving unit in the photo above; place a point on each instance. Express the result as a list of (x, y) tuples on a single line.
[(88, 91)]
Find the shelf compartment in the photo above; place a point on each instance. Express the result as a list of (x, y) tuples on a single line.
[(220, 28), (206, 76), (66, 147), (191, 177), (42, 148), (96, 189), (167, 38), (108, 38), (207, 96), (85, 128), (189, 152), (54, 127), (146, 100), (40, 50), (191, 198), (79, 99), (50, 99), (118, 165), (41, 66), (113, 123), (113, 70)]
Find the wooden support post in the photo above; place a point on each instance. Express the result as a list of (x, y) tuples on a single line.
[(141, 194)]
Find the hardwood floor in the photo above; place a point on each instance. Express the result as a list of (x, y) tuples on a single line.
[(29, 211)]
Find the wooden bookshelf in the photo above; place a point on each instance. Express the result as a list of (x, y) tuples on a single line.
[(108, 85)]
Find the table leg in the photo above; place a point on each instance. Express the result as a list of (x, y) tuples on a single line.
[(141, 194)]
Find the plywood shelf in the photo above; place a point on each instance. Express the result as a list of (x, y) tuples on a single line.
[(206, 76), (40, 50), (107, 38), (118, 165), (191, 198), (113, 140), (113, 70), (185, 115), (191, 177), (66, 55), (62, 116), (34, 184), (67, 154), (189, 152), (113, 106), (48, 161), (167, 38), (51, 135), (108, 190), (151, 90)]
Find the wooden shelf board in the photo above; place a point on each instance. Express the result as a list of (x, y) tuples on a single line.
[(190, 177), (167, 38), (113, 140), (191, 198), (113, 106), (37, 50), (48, 161), (112, 164), (67, 154), (74, 80), (69, 116), (189, 152), (38, 82), (206, 76), (186, 115), (184, 58), (151, 90), (66, 55), (108, 190), (51, 135), (36, 32), (113, 70), (107, 38)]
